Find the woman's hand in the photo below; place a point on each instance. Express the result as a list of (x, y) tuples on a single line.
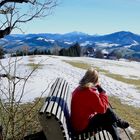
[(100, 89)]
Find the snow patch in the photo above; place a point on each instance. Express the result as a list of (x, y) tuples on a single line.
[(55, 66), (47, 40), (106, 44), (86, 43)]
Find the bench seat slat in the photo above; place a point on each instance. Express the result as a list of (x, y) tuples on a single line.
[(54, 95), (61, 102), (53, 87), (42, 110), (50, 106), (55, 107), (56, 104), (50, 94), (109, 137)]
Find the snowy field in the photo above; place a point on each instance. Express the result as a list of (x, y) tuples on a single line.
[(52, 67)]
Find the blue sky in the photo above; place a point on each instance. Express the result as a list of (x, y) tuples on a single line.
[(89, 16)]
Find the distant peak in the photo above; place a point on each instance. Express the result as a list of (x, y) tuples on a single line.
[(76, 33), (123, 32)]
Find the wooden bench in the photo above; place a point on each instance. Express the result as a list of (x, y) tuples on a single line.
[(54, 116)]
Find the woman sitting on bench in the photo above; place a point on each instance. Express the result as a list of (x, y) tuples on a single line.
[(90, 107)]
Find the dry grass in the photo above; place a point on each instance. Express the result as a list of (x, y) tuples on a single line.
[(26, 118), (34, 66), (129, 113)]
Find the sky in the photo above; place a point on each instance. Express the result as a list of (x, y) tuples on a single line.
[(89, 16)]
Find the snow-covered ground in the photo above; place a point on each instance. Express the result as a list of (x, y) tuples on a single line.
[(54, 66)]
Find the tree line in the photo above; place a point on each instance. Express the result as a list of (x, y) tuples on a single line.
[(74, 50)]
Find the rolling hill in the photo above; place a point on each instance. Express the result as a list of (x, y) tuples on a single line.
[(126, 42)]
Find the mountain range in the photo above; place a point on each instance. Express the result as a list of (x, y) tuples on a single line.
[(126, 42)]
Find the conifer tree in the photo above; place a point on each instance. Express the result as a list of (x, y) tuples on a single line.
[(1, 52)]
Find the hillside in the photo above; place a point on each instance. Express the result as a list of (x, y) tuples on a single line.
[(126, 87), (122, 87), (126, 42)]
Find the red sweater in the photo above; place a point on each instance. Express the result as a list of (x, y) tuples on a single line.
[(85, 103)]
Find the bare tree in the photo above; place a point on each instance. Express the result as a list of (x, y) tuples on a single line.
[(17, 119), (25, 50), (15, 12)]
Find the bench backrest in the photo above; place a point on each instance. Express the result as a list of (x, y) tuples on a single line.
[(54, 115)]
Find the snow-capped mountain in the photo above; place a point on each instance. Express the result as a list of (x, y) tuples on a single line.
[(122, 40)]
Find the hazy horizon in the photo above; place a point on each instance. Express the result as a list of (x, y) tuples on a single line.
[(73, 32)]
